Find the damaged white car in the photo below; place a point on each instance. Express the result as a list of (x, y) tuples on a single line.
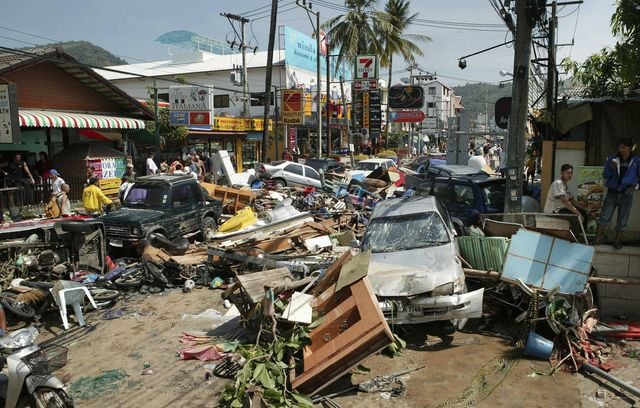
[(415, 270)]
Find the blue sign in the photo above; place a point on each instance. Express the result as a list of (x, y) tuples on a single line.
[(178, 118), (301, 52)]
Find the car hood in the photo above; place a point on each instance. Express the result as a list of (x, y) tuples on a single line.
[(133, 215), (359, 173), (413, 272)]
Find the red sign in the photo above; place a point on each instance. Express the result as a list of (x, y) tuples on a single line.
[(406, 116), (293, 133), (365, 85), (199, 118)]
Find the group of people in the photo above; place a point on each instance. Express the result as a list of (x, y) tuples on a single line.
[(196, 165), (622, 176)]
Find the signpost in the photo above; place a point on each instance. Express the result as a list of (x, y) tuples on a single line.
[(292, 106)]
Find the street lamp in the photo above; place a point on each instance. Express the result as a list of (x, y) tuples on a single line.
[(316, 29)]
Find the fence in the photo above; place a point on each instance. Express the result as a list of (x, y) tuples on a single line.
[(39, 193)]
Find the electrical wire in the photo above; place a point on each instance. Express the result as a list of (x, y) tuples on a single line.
[(575, 28)]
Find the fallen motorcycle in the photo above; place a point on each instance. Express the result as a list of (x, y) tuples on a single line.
[(26, 378)]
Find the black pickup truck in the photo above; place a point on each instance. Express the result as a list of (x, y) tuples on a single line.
[(169, 205)]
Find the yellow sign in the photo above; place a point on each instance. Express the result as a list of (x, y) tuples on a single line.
[(239, 124), (292, 104)]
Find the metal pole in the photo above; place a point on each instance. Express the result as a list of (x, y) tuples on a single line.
[(329, 141), (155, 111), (245, 80), (267, 88), (519, 108), (318, 86), (277, 113)]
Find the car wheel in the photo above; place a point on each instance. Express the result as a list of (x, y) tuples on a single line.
[(79, 226), (209, 228), (280, 183)]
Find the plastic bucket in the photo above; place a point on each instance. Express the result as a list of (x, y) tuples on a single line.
[(537, 346)]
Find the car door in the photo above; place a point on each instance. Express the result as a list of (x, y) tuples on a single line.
[(181, 207), (442, 191), (312, 177), (463, 203), (294, 174)]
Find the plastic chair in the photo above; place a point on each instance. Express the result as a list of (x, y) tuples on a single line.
[(71, 293)]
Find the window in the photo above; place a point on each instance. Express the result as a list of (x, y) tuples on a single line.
[(441, 191), (180, 196), (294, 168), (432, 90), (405, 232), (196, 193), (431, 105), (221, 101), (311, 173), (258, 99), (463, 195)]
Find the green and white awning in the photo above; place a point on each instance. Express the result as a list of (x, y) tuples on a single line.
[(36, 118)]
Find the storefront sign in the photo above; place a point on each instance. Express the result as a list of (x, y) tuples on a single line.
[(9, 123), (407, 116), (292, 105), (239, 124), (365, 110), (191, 99), (406, 97), (366, 67), (292, 136)]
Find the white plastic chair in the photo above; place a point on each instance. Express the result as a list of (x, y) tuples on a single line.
[(71, 293)]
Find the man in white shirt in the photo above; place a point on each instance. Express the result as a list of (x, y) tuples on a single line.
[(560, 200), (152, 167), (56, 181)]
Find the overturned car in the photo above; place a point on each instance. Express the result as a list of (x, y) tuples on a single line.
[(415, 270)]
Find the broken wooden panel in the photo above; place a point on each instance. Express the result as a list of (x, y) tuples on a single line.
[(254, 284), (331, 274), (352, 329), (232, 198)]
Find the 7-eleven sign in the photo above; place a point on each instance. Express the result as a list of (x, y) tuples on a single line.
[(366, 67)]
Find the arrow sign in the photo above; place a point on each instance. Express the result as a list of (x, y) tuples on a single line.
[(406, 116)]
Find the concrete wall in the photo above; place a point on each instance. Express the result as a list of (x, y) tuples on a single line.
[(618, 300)]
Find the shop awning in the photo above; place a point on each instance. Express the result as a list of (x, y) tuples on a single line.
[(36, 118)]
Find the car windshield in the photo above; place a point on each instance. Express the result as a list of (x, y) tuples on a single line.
[(405, 232), (148, 196), (369, 166), (493, 194)]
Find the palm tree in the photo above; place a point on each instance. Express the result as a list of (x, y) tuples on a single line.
[(354, 32), (393, 39)]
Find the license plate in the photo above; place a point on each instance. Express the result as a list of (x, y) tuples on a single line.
[(116, 243), (410, 311)]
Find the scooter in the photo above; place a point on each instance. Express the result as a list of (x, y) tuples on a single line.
[(26, 378)]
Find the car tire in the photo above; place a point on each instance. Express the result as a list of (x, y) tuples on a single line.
[(209, 228), (79, 226), (280, 183)]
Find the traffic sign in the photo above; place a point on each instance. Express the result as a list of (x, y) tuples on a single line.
[(406, 116)]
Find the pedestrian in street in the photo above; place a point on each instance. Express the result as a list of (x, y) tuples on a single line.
[(559, 198), (164, 166), (621, 171), (93, 198), (152, 167), (425, 149), (125, 186), (414, 151), (56, 181), (63, 201), (130, 174)]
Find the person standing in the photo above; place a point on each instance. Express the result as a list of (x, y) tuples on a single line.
[(130, 173), (559, 198), (152, 167), (93, 198), (17, 172), (56, 181), (621, 172), (63, 200)]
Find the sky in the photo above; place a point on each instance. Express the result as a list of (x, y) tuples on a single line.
[(128, 29)]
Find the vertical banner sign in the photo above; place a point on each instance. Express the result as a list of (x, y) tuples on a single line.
[(292, 135), (292, 105), (365, 109), (366, 67), (9, 122), (375, 114)]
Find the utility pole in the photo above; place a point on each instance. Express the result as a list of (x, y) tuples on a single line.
[(267, 86), (316, 30), (243, 47), (519, 110), (551, 67), (328, 58)]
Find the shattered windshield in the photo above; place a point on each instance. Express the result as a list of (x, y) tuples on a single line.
[(369, 166), (405, 232), (141, 196), (493, 194)]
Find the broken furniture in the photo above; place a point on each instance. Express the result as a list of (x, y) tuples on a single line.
[(232, 199), (352, 328), (71, 293)]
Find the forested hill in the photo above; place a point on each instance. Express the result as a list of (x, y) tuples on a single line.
[(474, 97), (89, 53)]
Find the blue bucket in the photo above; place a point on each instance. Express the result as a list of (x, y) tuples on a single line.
[(537, 346)]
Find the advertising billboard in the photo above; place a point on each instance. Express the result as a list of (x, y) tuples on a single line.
[(406, 97), (191, 106)]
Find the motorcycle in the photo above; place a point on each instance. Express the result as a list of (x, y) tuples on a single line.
[(26, 378)]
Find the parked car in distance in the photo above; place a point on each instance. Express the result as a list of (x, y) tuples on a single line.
[(415, 270), (165, 204), (466, 197), (287, 173), (325, 164), (364, 167)]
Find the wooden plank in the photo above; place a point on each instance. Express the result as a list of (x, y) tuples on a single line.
[(274, 246), (254, 283), (331, 274)]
